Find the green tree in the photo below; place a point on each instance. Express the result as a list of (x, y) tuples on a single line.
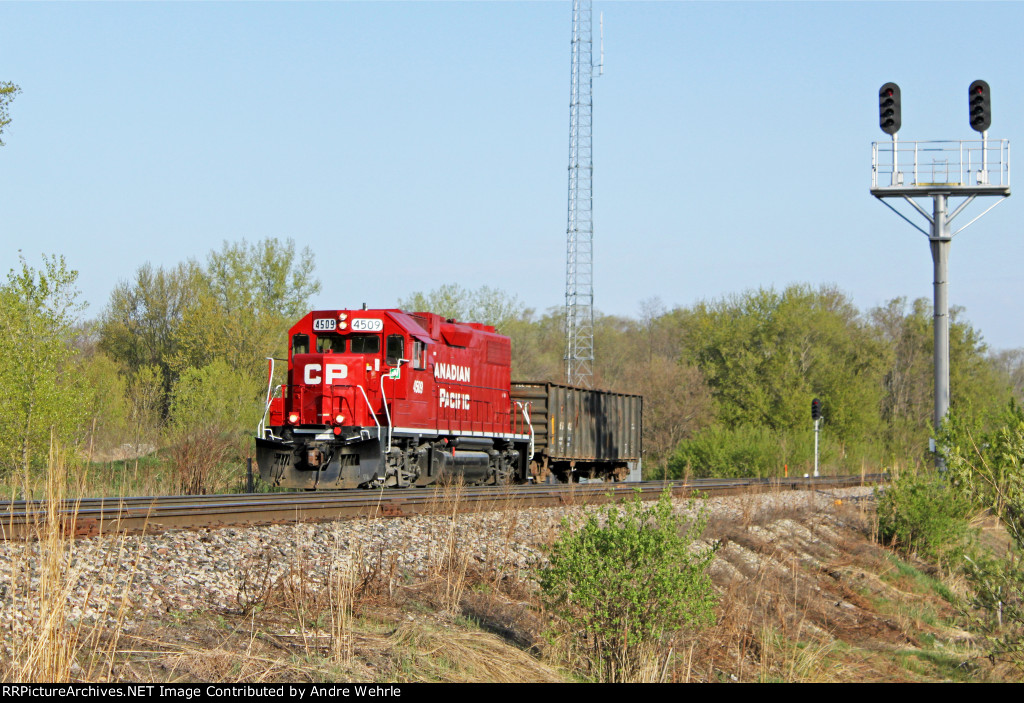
[(141, 325), (42, 392), (740, 451), (7, 93), (146, 405), (214, 411), (217, 395), (237, 308), (538, 346), (765, 355), (486, 305), (107, 415), (247, 298), (907, 339), (1009, 363)]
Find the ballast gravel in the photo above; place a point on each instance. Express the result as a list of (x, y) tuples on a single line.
[(130, 578)]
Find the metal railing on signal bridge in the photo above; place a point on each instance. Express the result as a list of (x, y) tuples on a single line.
[(966, 165)]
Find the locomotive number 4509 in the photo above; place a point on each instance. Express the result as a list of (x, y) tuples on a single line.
[(365, 324)]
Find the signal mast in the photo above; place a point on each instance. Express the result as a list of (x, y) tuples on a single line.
[(940, 170)]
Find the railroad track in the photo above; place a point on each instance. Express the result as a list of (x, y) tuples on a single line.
[(154, 514)]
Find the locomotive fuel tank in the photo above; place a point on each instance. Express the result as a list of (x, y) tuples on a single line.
[(450, 465)]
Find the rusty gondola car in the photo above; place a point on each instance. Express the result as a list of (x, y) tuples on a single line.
[(582, 433)]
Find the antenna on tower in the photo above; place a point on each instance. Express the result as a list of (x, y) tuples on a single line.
[(579, 260)]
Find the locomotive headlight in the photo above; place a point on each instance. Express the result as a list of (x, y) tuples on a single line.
[(339, 419), (342, 316), (293, 418), (342, 325)]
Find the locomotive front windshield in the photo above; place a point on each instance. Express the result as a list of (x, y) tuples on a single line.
[(330, 344), (364, 344), (353, 344)]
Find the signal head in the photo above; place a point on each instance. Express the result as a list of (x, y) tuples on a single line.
[(889, 118), (980, 105), (815, 409)]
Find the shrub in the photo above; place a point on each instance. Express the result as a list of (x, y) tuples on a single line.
[(921, 512), (725, 452), (998, 602), (626, 581), (988, 468)]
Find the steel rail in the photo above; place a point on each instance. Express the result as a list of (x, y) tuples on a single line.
[(84, 517)]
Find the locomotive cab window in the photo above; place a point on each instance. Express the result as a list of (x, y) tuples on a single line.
[(419, 354), (330, 344), (300, 344), (396, 349), (364, 344)]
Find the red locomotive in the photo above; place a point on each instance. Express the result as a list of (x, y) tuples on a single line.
[(390, 398)]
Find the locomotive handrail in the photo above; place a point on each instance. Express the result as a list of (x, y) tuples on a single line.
[(526, 415), (387, 413), (372, 414), (261, 428)]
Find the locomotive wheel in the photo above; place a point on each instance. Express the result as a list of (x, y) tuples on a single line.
[(501, 477)]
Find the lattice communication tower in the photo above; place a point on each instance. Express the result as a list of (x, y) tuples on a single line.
[(579, 259)]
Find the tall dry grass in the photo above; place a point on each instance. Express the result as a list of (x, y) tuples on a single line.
[(318, 598), (447, 561), (53, 643), (46, 649), (342, 580)]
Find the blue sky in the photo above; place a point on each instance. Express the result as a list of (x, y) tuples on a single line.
[(416, 144)]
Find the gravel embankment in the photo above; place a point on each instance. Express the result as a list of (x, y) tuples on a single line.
[(212, 569)]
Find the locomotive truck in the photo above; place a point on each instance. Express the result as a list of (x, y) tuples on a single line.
[(379, 398)]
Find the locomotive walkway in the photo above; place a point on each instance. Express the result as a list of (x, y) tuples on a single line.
[(155, 514)]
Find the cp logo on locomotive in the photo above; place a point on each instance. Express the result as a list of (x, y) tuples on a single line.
[(332, 372)]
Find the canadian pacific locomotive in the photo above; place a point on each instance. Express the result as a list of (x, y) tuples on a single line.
[(390, 398)]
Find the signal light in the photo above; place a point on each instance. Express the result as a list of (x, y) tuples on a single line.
[(815, 409), (980, 105), (889, 118)]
